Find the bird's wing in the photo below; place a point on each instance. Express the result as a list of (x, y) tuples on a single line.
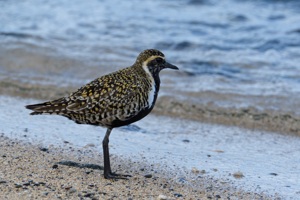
[(106, 94)]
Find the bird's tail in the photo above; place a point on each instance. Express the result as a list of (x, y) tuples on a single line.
[(49, 107)]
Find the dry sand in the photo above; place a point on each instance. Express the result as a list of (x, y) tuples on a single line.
[(30, 171)]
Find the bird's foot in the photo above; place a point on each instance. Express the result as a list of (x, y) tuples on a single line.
[(115, 176)]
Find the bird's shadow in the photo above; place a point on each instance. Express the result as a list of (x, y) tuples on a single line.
[(80, 165)]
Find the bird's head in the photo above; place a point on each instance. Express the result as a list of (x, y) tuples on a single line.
[(153, 61)]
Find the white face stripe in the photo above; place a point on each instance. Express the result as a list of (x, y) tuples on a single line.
[(152, 91)]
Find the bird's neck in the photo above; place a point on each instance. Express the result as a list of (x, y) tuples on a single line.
[(154, 80)]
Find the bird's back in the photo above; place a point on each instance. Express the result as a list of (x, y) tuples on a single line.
[(113, 100)]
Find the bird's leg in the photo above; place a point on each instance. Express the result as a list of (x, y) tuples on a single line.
[(107, 170)]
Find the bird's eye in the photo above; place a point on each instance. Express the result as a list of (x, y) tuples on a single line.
[(159, 60)]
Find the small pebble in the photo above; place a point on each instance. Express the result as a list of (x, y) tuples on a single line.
[(55, 166), (178, 195), (148, 175), (44, 149), (238, 175), (89, 194), (26, 184), (36, 184), (18, 185), (195, 170), (68, 187)]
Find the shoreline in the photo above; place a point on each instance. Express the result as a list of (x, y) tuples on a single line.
[(31, 171), (246, 117)]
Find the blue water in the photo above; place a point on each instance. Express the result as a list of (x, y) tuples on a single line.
[(240, 47)]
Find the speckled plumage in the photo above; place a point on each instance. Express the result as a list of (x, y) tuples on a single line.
[(113, 100)]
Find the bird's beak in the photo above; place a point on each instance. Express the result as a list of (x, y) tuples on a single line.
[(168, 65)]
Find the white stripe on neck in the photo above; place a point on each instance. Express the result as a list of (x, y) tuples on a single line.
[(151, 93)]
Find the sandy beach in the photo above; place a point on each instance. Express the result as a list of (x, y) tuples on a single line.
[(29, 171)]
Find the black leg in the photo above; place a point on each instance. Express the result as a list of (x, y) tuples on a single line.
[(107, 170)]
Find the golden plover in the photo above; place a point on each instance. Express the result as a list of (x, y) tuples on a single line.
[(113, 100)]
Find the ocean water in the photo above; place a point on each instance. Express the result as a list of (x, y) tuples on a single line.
[(235, 47)]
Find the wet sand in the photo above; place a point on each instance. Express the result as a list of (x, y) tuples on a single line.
[(282, 122), (29, 171)]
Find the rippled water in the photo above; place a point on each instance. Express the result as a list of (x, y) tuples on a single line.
[(231, 46)]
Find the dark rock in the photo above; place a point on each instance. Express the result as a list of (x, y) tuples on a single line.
[(148, 175), (55, 166), (26, 184), (36, 184), (178, 195), (44, 149), (90, 194)]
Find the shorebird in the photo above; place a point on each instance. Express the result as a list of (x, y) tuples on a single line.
[(117, 99)]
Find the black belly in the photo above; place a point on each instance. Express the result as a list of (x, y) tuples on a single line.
[(140, 115)]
